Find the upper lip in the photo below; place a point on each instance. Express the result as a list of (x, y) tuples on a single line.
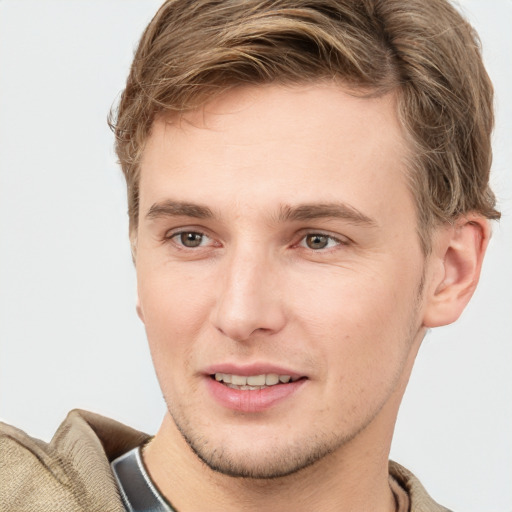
[(250, 369)]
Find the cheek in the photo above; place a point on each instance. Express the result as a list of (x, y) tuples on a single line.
[(359, 317), (344, 297), (174, 307), (360, 333)]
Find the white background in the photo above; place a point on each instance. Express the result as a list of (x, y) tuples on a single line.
[(69, 336)]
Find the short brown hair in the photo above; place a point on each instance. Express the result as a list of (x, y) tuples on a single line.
[(423, 50)]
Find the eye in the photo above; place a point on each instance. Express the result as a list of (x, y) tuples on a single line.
[(190, 239), (319, 241)]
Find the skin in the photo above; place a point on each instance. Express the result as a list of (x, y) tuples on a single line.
[(348, 317)]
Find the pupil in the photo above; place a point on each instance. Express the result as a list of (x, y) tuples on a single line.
[(191, 239), (316, 241)]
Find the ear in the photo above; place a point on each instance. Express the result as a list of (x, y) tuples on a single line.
[(138, 308), (133, 244), (455, 266)]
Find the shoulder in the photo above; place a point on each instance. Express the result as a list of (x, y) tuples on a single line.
[(71, 472), (420, 500)]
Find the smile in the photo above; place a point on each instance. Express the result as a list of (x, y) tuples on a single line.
[(253, 382)]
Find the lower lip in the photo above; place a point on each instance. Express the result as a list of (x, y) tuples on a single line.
[(257, 400)]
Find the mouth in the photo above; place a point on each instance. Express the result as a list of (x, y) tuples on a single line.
[(253, 387), (253, 382)]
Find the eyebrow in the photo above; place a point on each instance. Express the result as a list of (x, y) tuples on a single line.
[(172, 208), (334, 210), (287, 213)]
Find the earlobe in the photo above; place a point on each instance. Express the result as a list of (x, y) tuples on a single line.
[(457, 260), (138, 308)]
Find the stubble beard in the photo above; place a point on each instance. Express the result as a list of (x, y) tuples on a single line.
[(278, 461), (283, 461)]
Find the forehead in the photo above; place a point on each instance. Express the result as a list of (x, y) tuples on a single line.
[(275, 145)]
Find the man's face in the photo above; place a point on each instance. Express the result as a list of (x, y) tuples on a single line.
[(277, 243)]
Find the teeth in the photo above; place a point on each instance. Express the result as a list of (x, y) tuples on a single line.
[(239, 380), (271, 379), (256, 380), (253, 382), (223, 377)]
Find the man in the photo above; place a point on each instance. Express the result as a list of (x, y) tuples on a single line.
[(308, 194)]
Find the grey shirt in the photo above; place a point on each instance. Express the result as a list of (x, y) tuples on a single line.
[(138, 492)]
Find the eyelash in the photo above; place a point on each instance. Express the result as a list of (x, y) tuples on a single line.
[(327, 237), (173, 236)]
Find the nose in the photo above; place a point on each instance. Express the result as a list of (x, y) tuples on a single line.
[(249, 299)]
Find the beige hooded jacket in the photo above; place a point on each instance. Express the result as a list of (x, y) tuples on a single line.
[(72, 472)]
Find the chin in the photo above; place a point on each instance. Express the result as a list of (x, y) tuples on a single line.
[(275, 463), (268, 458)]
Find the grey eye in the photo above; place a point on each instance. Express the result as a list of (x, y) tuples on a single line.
[(317, 241), (191, 239)]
